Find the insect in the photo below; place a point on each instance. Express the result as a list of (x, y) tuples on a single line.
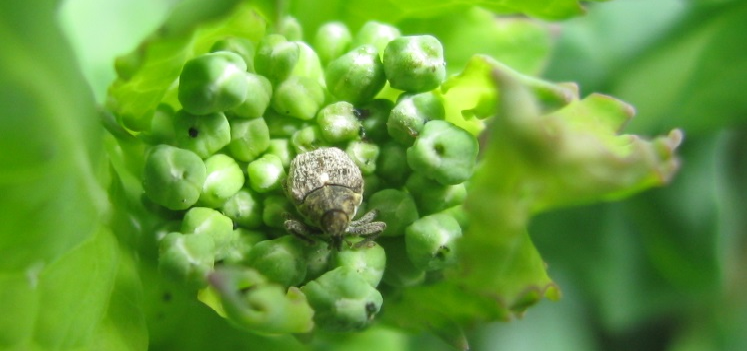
[(326, 187)]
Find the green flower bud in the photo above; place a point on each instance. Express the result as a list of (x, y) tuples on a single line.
[(391, 165), (276, 57), (188, 258), (282, 126), (431, 241), (281, 260), (411, 113), (224, 179), (459, 214), (250, 237), (415, 63), (244, 208), (364, 155), (444, 152), (282, 149), (211, 223), (400, 271), (332, 39), (173, 177), (249, 138), (242, 240), (212, 82), (258, 95), (342, 300), (373, 117), (371, 184), (240, 46), (266, 173), (203, 135), (306, 139), (290, 28), (357, 76), (376, 34), (252, 303), (308, 64), (317, 259), (161, 127), (368, 260), (432, 196), (338, 122), (275, 209), (299, 97), (233, 251), (396, 208)]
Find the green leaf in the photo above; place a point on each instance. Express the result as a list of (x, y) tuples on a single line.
[(703, 63), (520, 43), (681, 65), (123, 327), (535, 160), (146, 76), (471, 96), (313, 13), (50, 164), (58, 306)]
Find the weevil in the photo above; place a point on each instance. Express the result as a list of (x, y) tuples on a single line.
[(326, 187)]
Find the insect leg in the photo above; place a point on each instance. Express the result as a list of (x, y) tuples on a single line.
[(300, 230), (368, 231), (366, 218)]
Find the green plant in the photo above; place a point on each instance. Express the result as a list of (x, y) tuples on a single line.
[(77, 187)]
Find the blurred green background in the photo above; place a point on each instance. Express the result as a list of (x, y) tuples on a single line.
[(664, 270)]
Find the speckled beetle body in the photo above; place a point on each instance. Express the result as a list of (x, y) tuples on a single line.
[(326, 188)]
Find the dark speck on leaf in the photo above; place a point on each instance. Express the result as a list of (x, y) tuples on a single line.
[(167, 296)]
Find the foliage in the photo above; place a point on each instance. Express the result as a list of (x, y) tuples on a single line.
[(79, 244)]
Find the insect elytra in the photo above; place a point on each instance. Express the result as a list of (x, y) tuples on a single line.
[(326, 187)]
